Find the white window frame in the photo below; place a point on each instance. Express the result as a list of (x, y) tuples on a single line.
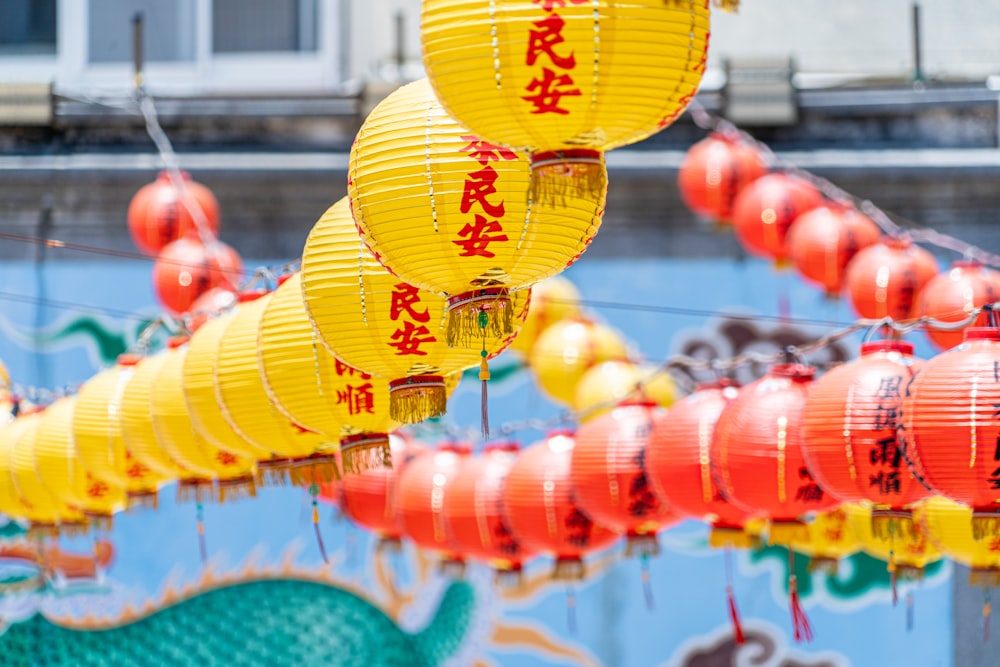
[(319, 71)]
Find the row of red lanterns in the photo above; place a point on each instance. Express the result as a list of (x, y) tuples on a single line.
[(785, 218)]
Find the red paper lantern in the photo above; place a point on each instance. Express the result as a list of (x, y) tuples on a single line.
[(541, 511), (765, 210), (757, 448), (952, 296), (714, 171), (678, 459), (156, 215), (422, 489), (370, 495), (473, 511), (186, 269), (822, 241), (849, 428), (883, 280), (951, 427), (609, 480)]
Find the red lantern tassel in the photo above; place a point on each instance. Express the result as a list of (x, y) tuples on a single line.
[(800, 622), (484, 376), (892, 579), (734, 617)]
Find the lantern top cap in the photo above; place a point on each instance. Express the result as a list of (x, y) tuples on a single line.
[(164, 175), (966, 264), (175, 342), (502, 446), (983, 333), (720, 383), (251, 295), (284, 279), (875, 346), (460, 448), (129, 359), (637, 401), (794, 371), (556, 432), (896, 242)]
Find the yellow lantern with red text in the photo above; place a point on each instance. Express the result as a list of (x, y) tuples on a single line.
[(456, 220)]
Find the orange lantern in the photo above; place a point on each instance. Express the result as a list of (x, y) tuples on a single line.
[(609, 478), (541, 511), (376, 323), (473, 510), (952, 296), (464, 228), (423, 486), (566, 78), (678, 465), (823, 240), (370, 497), (765, 210), (186, 268), (883, 280), (849, 432), (951, 427), (757, 451), (158, 213), (714, 171)]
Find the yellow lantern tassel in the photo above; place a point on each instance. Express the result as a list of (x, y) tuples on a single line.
[(986, 577), (202, 546), (314, 492), (315, 469), (275, 472), (985, 525), (572, 174), (823, 564), (237, 488), (100, 522), (142, 499), (722, 538), (479, 314), (731, 6), (986, 616), (484, 377), (195, 489), (365, 451), (73, 528), (568, 568), (787, 533), (416, 398), (890, 524), (893, 577)]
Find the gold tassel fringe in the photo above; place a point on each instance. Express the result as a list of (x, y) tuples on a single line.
[(555, 177), (478, 315), (569, 569), (910, 572), (416, 398), (195, 490), (73, 528), (102, 522), (731, 6), (787, 533), (823, 564), (507, 574), (38, 530), (735, 538), (365, 451), (389, 544), (642, 545), (142, 500), (452, 566), (985, 577), (275, 472), (985, 525), (890, 524), (237, 488), (315, 469)]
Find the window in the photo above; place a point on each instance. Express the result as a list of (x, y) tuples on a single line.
[(27, 27), (240, 26), (168, 36)]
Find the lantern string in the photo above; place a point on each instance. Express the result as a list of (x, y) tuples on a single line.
[(571, 610), (647, 585), (202, 547), (314, 493), (910, 611), (888, 224)]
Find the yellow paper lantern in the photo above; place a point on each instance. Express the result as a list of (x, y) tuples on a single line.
[(201, 392), (297, 451), (949, 528), (175, 430), (61, 472), (6, 396), (610, 382), (43, 506), (906, 552), (373, 321), (456, 220), (11, 503), (565, 78), (552, 300), (97, 431), (137, 427), (567, 349)]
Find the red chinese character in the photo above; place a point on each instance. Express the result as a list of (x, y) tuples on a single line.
[(136, 471), (359, 399), (404, 296), (484, 152), (340, 367), (479, 237), (96, 488), (549, 5), (225, 458), (546, 100), (545, 39), (479, 186), (408, 339)]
